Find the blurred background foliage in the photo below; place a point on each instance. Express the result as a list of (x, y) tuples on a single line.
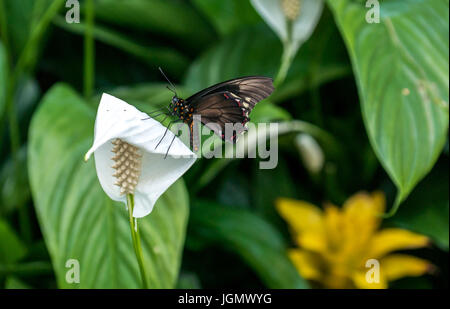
[(373, 98)]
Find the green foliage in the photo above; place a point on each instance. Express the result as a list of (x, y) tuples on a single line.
[(79, 221), (21, 12), (228, 16), (171, 60), (237, 55), (11, 247), (3, 78), (245, 53), (368, 93), (401, 66), (15, 188), (146, 97), (14, 283), (246, 234), (175, 19), (293, 26), (426, 210)]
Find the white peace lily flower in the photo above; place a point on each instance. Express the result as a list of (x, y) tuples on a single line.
[(126, 159), (293, 21)]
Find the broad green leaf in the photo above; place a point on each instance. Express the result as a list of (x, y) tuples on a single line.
[(426, 210), (228, 16), (11, 247), (79, 221), (402, 71), (176, 19), (256, 241)]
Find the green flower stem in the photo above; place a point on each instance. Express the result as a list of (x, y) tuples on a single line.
[(136, 240), (286, 61), (287, 57)]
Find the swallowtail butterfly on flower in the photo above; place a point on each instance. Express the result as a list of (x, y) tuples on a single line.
[(228, 102)]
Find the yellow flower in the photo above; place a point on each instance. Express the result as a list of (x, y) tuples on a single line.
[(335, 244)]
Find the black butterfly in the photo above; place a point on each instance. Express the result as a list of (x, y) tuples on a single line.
[(227, 102)]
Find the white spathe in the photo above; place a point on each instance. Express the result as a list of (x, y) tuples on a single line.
[(299, 30), (118, 119)]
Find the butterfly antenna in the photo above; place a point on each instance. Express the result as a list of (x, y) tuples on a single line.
[(171, 90), (174, 90)]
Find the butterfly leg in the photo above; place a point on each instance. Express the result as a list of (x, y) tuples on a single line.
[(170, 145), (164, 135), (165, 132)]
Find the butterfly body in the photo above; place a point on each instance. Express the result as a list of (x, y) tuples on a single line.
[(229, 102), (181, 109)]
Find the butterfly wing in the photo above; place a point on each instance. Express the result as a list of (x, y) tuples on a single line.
[(230, 102), (250, 89), (218, 109)]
